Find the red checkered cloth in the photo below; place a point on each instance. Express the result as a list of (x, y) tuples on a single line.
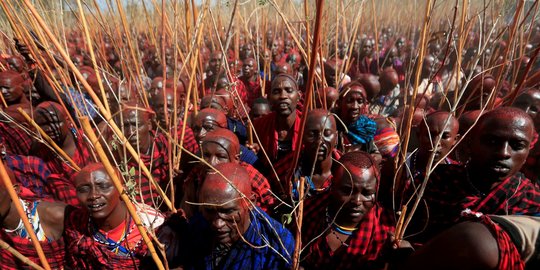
[(82, 252), (449, 192), (62, 189), (54, 252), (266, 130), (56, 163), (253, 89), (365, 245), (190, 143), (16, 140), (158, 165), (509, 256), (31, 173), (260, 187)]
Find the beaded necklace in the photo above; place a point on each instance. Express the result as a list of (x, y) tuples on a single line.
[(114, 246)]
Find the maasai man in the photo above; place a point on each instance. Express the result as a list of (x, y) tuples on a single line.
[(158, 104), (490, 181), (315, 163), (233, 233), (14, 138), (347, 228), (102, 234), (278, 130), (135, 121), (211, 119), (46, 219), (529, 101), (352, 107), (222, 146), (434, 125), (251, 79), (51, 117)]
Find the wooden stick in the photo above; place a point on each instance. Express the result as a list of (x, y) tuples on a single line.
[(410, 111), (309, 89), (99, 104), (19, 256), (49, 140), (92, 55), (120, 187), (299, 220), (16, 202)]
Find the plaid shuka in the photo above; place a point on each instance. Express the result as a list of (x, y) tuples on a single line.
[(509, 256), (450, 192), (260, 187), (190, 143), (365, 245), (253, 89), (56, 163), (31, 173), (16, 140), (269, 246), (54, 252), (158, 164), (82, 252), (62, 189)]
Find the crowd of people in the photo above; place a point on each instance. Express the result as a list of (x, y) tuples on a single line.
[(222, 169)]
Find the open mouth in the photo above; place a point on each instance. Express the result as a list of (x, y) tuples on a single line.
[(96, 207)]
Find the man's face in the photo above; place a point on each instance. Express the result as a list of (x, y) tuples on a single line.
[(320, 136), (353, 104), (428, 137), (97, 194), (530, 103), (137, 126), (247, 68), (354, 190), (226, 212), (217, 152), (283, 96), (500, 146), (52, 123), (158, 102), (215, 62), (367, 47), (276, 47), (12, 89)]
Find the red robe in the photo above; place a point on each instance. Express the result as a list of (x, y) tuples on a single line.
[(364, 246), (83, 252), (449, 192), (266, 130)]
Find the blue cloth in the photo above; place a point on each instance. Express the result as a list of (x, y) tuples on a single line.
[(362, 130), (241, 255), (238, 128), (247, 156), (83, 102)]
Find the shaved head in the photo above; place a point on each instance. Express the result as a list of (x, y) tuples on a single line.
[(238, 181)]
